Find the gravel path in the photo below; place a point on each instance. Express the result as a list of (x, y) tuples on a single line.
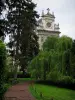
[(19, 92)]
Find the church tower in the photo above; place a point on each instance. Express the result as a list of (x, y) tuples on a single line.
[(47, 27)]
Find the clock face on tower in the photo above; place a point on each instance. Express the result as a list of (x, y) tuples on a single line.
[(48, 24)]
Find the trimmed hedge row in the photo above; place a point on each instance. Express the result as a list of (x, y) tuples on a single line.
[(19, 75), (70, 85), (26, 75)]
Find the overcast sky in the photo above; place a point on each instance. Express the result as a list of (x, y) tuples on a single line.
[(64, 11)]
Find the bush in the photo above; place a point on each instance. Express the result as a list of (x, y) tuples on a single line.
[(9, 75), (33, 74), (53, 76), (58, 84), (66, 80), (2, 67), (73, 81), (4, 89), (21, 75)]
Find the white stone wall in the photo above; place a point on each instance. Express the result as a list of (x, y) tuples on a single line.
[(44, 31), (43, 36)]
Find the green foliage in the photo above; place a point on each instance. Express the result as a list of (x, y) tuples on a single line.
[(66, 79), (49, 92), (50, 43), (54, 76), (2, 67), (9, 64), (72, 60), (23, 42), (64, 43), (56, 62)]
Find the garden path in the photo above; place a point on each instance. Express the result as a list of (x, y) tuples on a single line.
[(19, 92)]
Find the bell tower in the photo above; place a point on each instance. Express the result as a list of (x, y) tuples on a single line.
[(47, 27)]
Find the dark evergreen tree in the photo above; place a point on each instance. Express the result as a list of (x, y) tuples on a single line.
[(2, 19), (1, 5), (21, 25), (1, 8)]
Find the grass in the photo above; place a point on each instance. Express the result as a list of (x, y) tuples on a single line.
[(23, 79), (52, 93)]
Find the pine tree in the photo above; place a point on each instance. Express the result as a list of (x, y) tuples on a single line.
[(21, 24), (1, 9), (3, 21)]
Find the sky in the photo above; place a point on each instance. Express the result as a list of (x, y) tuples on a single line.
[(64, 11)]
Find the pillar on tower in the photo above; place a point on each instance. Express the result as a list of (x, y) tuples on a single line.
[(48, 11), (42, 12)]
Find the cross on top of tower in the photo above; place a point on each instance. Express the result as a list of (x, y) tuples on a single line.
[(42, 12), (48, 10)]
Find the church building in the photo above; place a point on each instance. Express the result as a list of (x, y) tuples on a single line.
[(47, 27)]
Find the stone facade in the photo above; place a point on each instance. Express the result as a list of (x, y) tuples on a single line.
[(47, 27)]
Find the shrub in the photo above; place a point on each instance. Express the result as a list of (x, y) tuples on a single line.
[(2, 67), (54, 76), (21, 75), (33, 74), (73, 81), (9, 76), (66, 80)]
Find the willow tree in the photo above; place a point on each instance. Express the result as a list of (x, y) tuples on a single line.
[(50, 43), (72, 59), (63, 47), (55, 59)]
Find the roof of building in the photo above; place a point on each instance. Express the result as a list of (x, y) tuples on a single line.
[(49, 15)]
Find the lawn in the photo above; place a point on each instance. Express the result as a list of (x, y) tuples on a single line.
[(23, 79), (52, 93)]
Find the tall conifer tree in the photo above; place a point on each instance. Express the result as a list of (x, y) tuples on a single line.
[(21, 23)]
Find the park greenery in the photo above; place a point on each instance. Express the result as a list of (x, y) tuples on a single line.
[(56, 61), (21, 22), (2, 67), (45, 92), (18, 22)]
